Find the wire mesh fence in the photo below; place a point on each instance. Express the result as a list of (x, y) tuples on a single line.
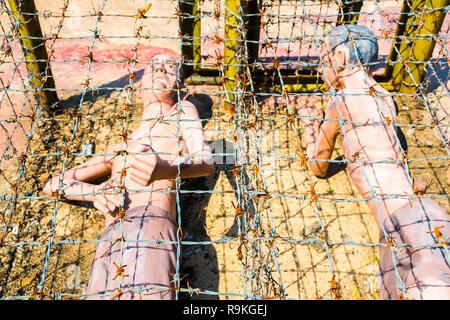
[(263, 226)]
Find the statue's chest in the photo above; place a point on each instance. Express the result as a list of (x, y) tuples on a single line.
[(161, 136)]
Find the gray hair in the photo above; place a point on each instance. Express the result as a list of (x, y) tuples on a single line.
[(365, 48)]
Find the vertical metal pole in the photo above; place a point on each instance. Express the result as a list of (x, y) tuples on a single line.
[(191, 27), (197, 34), (417, 22), (396, 43), (411, 8), (33, 44), (231, 43), (428, 24)]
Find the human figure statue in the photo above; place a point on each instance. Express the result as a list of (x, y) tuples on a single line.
[(168, 143), (413, 229)]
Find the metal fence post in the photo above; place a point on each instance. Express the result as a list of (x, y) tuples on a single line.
[(29, 33), (416, 41), (428, 25), (231, 43)]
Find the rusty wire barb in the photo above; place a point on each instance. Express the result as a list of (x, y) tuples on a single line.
[(120, 271), (334, 290), (439, 236)]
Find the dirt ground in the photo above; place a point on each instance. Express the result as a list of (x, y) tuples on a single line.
[(305, 268)]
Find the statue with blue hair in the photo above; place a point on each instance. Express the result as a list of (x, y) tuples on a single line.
[(414, 261)]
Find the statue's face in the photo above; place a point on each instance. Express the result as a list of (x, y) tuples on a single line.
[(163, 70), (161, 74), (328, 69)]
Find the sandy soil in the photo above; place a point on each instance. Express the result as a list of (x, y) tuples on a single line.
[(304, 269)]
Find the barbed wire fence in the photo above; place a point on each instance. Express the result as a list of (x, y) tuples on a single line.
[(257, 58)]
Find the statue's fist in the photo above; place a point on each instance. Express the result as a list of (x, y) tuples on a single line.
[(141, 166)]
